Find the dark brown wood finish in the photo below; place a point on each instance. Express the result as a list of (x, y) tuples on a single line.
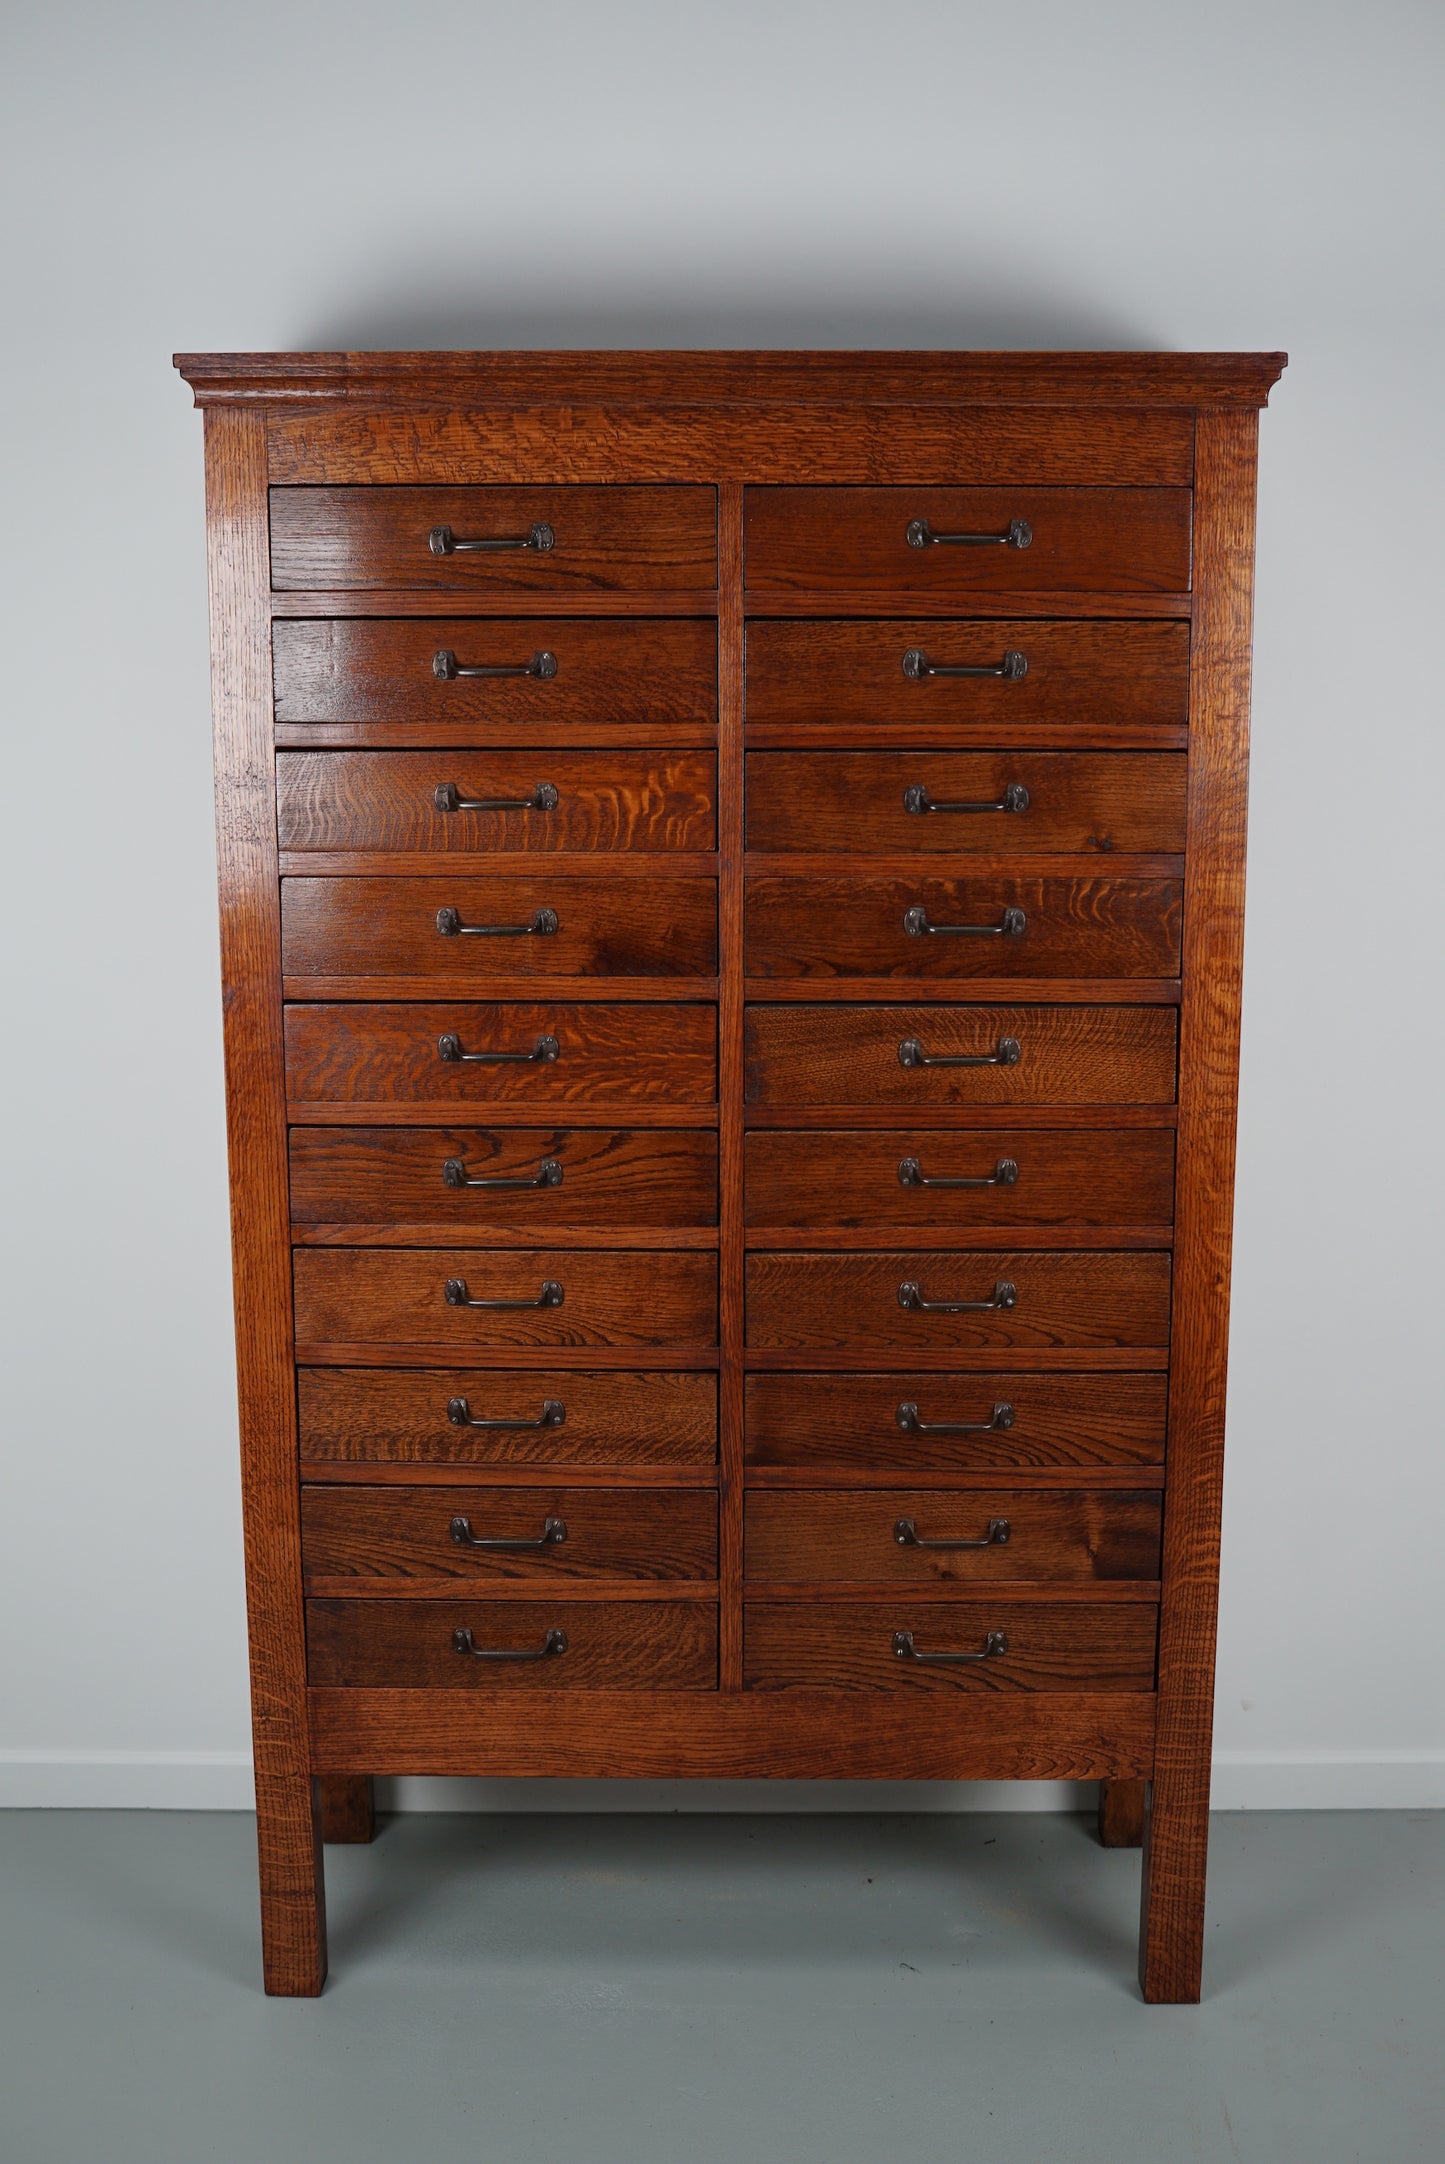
[(347, 1807), (653, 1645), (898, 1425), (405, 1540), (360, 1417), (1053, 1536), (1046, 1647), (1123, 1807)]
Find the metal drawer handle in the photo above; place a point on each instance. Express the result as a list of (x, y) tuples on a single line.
[(905, 1532), (907, 1418), (443, 542), (917, 799), (994, 1644), (916, 924), (450, 1048), (547, 1174), (911, 1174), (455, 1293), (1006, 1053), (544, 923), (910, 1295), (917, 666), (552, 1415), (553, 1644), (448, 798), (554, 1530), (920, 535), (446, 667)]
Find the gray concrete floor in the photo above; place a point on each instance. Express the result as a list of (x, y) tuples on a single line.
[(729, 1990)]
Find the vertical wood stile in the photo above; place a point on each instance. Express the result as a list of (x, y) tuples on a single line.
[(1171, 1942), (293, 1920), (730, 1083)]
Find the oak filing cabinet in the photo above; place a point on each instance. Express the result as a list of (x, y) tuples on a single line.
[(731, 898)]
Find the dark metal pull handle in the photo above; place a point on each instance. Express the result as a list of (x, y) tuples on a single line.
[(553, 1644), (920, 535), (448, 798), (455, 1293), (544, 923), (905, 1532), (545, 1049), (1006, 1053), (917, 799), (917, 666), (460, 1414), (443, 542), (911, 1174), (908, 1419), (994, 1644), (547, 1174), (910, 1295), (916, 924), (446, 667), (553, 1531)]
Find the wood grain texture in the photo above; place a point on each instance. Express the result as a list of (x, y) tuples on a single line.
[(352, 1538), (828, 1422), (1056, 1536), (1176, 1843), (825, 1302), (732, 1332), (838, 1646), (359, 1417), (347, 1807), (293, 1916), (611, 1645), (1122, 1809)]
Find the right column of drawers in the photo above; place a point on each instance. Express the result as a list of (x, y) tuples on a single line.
[(965, 746)]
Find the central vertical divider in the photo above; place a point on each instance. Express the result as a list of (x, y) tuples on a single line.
[(730, 1083)]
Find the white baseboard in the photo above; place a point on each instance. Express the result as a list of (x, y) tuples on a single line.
[(221, 1781)]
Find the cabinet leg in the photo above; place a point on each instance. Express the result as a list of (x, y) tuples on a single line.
[(293, 1888), (1121, 1814), (1171, 1922), (348, 1807)]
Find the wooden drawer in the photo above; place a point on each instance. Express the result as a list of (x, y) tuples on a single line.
[(351, 1538), (851, 1646), (392, 928), (863, 1536), (845, 1055), (1095, 682), (1079, 540), (356, 680), (875, 1179), (597, 1052), (843, 1303), (898, 1424), (437, 1416), (897, 803), (625, 1645), (841, 927), (599, 801), (580, 541), (394, 1298), (415, 1177)]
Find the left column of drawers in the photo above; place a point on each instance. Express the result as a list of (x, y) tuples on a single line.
[(496, 717)]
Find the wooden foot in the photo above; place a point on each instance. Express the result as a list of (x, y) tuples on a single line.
[(1121, 1814), (348, 1807), (293, 1889), (1171, 1924)]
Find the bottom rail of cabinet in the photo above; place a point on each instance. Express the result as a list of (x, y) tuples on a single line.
[(792, 1735)]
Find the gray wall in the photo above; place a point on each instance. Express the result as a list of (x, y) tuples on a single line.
[(1251, 174)]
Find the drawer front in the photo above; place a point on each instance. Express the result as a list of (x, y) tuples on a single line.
[(396, 1297), (951, 1536), (551, 927), (914, 1057), (357, 1537), (357, 679), (561, 540), (1030, 1177), (517, 801), (550, 1054), (854, 1646), (1101, 678), (1074, 540), (626, 1645), (900, 803), (502, 1416), (441, 1180), (912, 1301), (1089, 927), (904, 1423)]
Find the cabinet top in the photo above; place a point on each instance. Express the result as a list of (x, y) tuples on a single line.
[(513, 378)]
